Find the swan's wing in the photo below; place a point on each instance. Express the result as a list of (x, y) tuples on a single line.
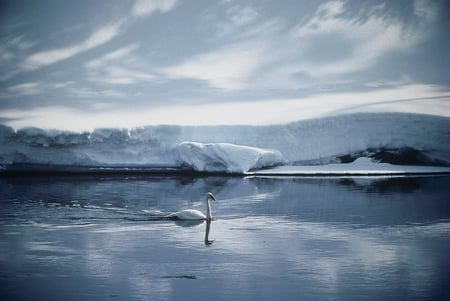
[(188, 214)]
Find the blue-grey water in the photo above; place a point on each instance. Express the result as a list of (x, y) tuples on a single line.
[(99, 238)]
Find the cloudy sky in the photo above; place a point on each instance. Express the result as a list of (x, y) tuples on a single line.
[(84, 64)]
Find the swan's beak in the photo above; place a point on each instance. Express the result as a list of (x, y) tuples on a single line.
[(211, 196)]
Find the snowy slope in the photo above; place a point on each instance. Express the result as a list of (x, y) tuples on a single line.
[(316, 141)]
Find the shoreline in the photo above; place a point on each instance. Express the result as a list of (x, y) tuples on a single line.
[(330, 170)]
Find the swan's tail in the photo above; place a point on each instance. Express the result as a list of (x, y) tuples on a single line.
[(144, 219)]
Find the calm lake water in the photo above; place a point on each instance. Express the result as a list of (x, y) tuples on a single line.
[(100, 238)]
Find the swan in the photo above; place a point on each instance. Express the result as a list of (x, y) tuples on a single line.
[(192, 214)]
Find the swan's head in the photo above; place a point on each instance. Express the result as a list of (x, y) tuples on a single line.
[(210, 196)]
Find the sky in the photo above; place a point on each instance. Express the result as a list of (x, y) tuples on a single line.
[(79, 65)]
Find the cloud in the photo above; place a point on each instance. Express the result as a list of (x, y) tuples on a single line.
[(96, 93), (123, 53), (48, 57), (427, 100), (332, 42), (26, 89), (366, 39), (240, 23), (35, 88), (97, 38), (242, 15), (234, 51), (425, 10), (124, 76), (147, 7), (330, 9), (118, 67), (11, 46), (12, 49), (229, 68), (59, 85)]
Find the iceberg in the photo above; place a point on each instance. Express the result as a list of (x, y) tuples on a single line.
[(395, 138), (225, 157)]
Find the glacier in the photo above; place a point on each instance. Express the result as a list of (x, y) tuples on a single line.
[(384, 137), (231, 158)]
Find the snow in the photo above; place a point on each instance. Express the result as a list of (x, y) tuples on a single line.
[(235, 149)]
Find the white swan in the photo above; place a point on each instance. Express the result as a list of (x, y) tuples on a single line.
[(192, 214)]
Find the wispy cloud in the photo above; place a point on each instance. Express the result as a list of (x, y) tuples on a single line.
[(59, 85), (26, 89), (332, 42), (35, 88), (241, 22), (96, 94), (12, 49), (124, 76), (147, 7), (48, 57), (366, 39), (427, 100), (123, 53), (118, 67), (270, 61), (242, 15), (425, 10), (97, 38), (21, 43), (229, 68)]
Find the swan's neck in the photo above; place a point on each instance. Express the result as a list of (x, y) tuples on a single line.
[(208, 209)]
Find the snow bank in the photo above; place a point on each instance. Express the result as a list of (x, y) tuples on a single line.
[(225, 157), (236, 148)]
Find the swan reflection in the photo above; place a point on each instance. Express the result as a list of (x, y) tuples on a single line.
[(208, 228), (187, 223), (183, 223)]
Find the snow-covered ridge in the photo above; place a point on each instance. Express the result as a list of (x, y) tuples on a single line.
[(234, 148)]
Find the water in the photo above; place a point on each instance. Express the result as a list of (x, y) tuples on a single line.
[(99, 238)]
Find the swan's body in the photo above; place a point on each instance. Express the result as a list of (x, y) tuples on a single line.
[(192, 214), (187, 214)]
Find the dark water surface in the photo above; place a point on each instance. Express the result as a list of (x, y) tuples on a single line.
[(100, 238)]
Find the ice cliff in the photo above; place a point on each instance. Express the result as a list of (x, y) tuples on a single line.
[(421, 138)]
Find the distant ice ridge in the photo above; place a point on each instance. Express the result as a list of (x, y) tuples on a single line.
[(237, 148), (362, 166)]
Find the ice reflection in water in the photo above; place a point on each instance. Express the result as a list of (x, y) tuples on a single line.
[(309, 239)]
